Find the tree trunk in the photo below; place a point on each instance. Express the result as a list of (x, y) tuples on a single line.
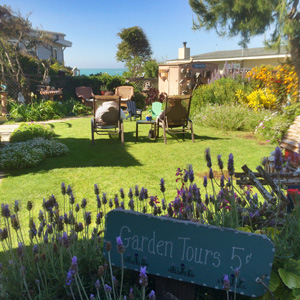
[(295, 54)]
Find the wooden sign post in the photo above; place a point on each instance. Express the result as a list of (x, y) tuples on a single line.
[(190, 252)]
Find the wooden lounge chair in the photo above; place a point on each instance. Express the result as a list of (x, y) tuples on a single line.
[(126, 93), (133, 111), (175, 118), (86, 94), (110, 122)]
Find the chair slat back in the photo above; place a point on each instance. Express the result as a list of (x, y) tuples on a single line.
[(125, 91), (131, 105), (156, 109), (177, 110), (84, 92)]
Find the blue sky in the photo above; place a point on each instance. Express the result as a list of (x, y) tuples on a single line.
[(92, 27)]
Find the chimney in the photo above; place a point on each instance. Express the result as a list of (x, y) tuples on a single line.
[(184, 53)]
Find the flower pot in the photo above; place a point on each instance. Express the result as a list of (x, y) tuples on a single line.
[(148, 118)]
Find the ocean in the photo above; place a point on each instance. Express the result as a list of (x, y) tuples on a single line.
[(112, 72)]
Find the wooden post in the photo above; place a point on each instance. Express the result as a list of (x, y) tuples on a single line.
[(3, 96)]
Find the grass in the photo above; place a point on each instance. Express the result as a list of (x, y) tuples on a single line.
[(112, 166)]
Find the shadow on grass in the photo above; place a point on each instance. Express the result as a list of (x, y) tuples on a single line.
[(106, 152)]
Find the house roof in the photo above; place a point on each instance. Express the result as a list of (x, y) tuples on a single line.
[(58, 37), (240, 54)]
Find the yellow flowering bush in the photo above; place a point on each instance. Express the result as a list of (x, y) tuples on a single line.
[(259, 99), (281, 81)]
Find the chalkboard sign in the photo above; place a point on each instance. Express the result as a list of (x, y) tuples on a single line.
[(189, 251)]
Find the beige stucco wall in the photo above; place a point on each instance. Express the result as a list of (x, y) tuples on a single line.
[(181, 78)]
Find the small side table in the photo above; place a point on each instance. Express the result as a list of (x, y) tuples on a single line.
[(3, 96), (141, 122)]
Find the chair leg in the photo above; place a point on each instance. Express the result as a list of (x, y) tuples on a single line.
[(92, 129), (192, 131), (164, 129), (122, 133)]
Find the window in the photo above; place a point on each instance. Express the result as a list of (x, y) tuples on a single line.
[(54, 53)]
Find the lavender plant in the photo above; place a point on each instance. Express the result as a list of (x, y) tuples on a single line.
[(70, 232)]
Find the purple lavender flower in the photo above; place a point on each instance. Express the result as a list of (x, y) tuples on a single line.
[(71, 198), (74, 266), (208, 157), (211, 174), (83, 203), (104, 199), (220, 162), (145, 193), (63, 188), (186, 175), (236, 272), (5, 212), (92, 297), (141, 196), (143, 277), (116, 200), (96, 189), (152, 295), (65, 240), (222, 182), (88, 218), (16, 207), (131, 204), (20, 250), (130, 194), (46, 239), (69, 190), (136, 191), (107, 289), (230, 165), (97, 285), (69, 279), (131, 297), (278, 159), (205, 181), (226, 283), (120, 246), (191, 174), (98, 201), (35, 249), (77, 208), (163, 203), (110, 203), (162, 185), (122, 193)]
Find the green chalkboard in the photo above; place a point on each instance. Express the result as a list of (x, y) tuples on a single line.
[(189, 251)]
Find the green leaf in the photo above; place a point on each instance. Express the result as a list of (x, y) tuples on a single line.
[(296, 293), (274, 282), (290, 274)]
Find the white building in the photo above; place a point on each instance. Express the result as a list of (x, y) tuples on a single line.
[(54, 49)]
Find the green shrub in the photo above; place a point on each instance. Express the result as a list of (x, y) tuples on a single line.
[(28, 154), (271, 129), (229, 117), (30, 131), (274, 127), (219, 92)]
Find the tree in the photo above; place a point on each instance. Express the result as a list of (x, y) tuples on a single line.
[(134, 49), (248, 18), (16, 38)]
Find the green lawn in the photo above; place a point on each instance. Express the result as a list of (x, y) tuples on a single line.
[(112, 166)]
